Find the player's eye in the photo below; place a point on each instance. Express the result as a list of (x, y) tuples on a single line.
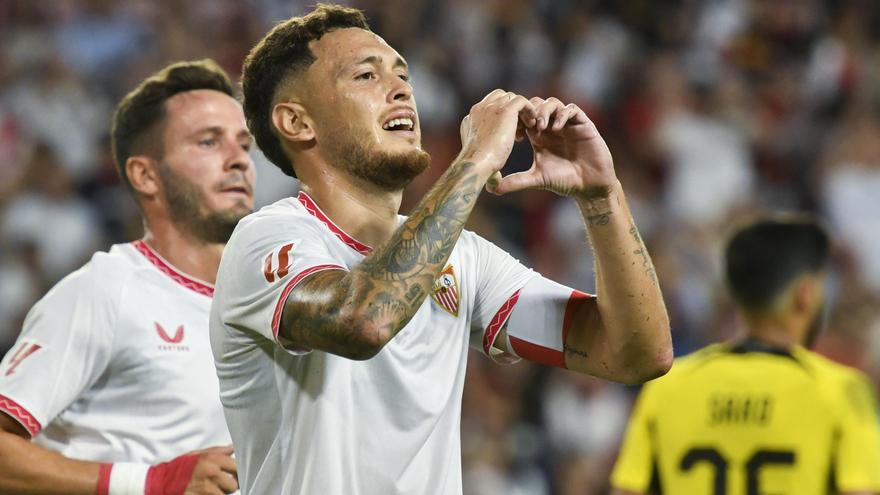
[(208, 143), (246, 146), (405, 77), (366, 76)]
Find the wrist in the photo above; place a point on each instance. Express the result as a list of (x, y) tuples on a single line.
[(598, 206), (597, 195), (484, 166), (122, 478)]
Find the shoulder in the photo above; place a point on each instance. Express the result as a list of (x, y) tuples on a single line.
[(826, 370), (102, 277), (280, 219), (686, 365), (842, 385), (90, 294), (683, 368)]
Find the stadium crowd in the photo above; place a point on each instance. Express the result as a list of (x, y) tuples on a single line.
[(713, 109)]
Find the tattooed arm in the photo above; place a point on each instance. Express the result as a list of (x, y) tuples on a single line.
[(354, 314), (622, 334)]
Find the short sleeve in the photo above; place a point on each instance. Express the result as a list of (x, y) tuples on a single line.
[(261, 265), (533, 309), (65, 345), (635, 466), (857, 463), (500, 277)]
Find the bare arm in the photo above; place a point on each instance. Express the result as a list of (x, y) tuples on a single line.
[(27, 468), (622, 334), (355, 314)]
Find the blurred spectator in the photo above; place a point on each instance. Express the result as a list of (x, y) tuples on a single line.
[(48, 215)]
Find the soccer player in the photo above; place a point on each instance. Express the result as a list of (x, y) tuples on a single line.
[(761, 414), (112, 377), (340, 329)]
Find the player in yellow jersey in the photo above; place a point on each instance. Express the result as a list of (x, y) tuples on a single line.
[(761, 415)]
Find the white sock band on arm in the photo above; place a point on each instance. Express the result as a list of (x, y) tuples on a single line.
[(128, 478)]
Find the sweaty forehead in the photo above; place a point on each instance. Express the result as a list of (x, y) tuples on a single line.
[(342, 47)]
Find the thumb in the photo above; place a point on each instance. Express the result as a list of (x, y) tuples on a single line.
[(529, 179)]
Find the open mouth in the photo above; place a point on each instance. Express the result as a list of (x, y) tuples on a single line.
[(401, 124)]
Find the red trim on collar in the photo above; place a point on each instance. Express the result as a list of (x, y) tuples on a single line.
[(315, 211), (176, 275)]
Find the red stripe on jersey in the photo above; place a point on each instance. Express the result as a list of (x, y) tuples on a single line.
[(575, 301), (498, 322), (537, 353), (176, 275), (104, 479), (279, 306), (21, 415), (316, 212)]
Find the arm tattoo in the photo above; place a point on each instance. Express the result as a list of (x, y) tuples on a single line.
[(597, 211), (642, 252), (576, 352), (390, 285)]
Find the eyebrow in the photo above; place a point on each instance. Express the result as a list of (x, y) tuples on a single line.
[(377, 60), (217, 131)]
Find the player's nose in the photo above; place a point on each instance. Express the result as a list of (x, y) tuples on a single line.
[(238, 158), (400, 91)]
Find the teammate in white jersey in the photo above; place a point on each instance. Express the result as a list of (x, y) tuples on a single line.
[(110, 388), (340, 330)]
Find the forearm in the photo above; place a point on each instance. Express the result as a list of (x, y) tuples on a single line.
[(635, 325), (375, 300), (26, 468)]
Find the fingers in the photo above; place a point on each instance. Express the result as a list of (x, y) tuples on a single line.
[(226, 482), (554, 115), (217, 472), (226, 463), (519, 181)]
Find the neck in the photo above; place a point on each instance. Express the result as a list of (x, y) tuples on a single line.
[(363, 211), (775, 331), (194, 257)]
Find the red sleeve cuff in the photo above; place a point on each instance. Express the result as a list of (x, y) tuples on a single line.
[(20, 414), (494, 328)]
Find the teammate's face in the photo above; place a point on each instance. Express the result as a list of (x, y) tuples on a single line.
[(206, 172), (363, 110)]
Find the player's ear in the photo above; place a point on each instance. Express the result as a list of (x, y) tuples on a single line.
[(807, 293), (142, 174), (292, 122)]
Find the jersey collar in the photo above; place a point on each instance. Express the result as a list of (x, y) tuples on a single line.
[(159, 262), (316, 212), (749, 344)]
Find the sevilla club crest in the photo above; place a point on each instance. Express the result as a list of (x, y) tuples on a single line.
[(445, 291)]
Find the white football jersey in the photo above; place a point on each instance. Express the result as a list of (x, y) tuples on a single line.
[(313, 422), (114, 363)]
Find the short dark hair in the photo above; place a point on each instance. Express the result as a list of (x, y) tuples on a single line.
[(281, 54), (766, 256), (140, 115)]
